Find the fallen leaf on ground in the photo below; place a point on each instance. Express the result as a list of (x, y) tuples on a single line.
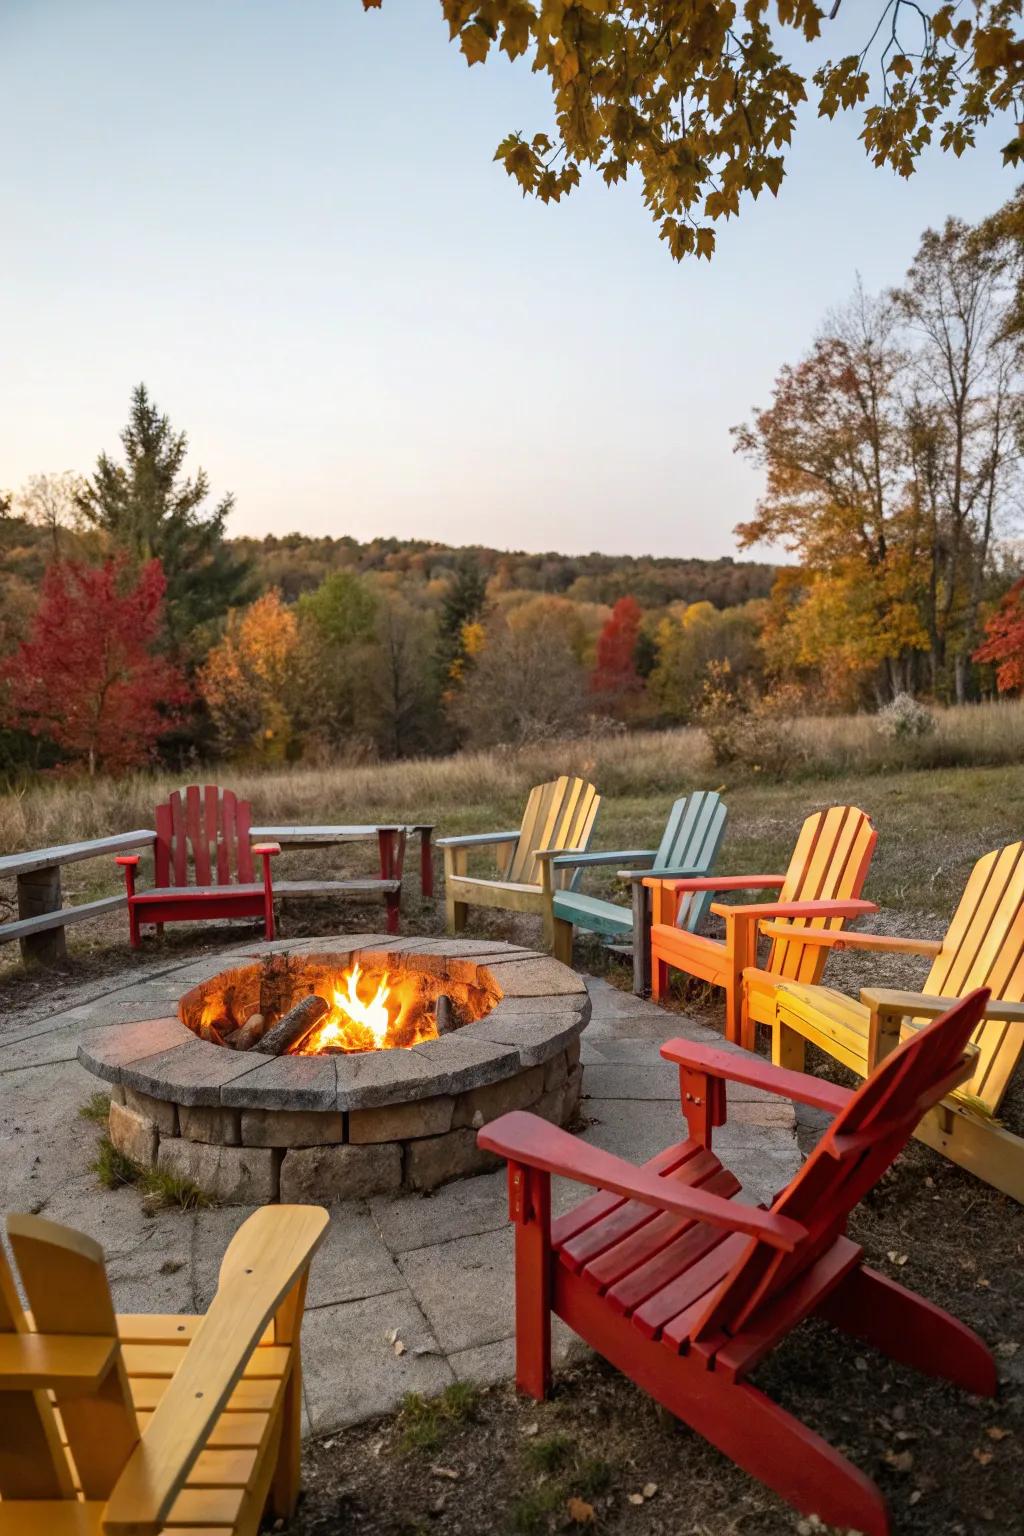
[(900, 1461), (982, 1457), (448, 1472), (996, 1433), (650, 1489), (897, 1258), (580, 1512), (635, 1498), (530, 1429), (398, 1347)]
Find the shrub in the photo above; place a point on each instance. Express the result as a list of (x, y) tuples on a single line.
[(905, 719)]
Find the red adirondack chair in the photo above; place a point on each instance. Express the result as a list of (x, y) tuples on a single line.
[(686, 1290), (202, 832)]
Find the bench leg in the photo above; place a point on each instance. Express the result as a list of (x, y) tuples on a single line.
[(39, 892), (393, 908), (427, 864)]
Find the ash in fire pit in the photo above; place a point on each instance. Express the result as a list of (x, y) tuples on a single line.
[(323, 1074), (327, 1004)]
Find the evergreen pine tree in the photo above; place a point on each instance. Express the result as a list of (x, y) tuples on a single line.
[(463, 603), (148, 507)]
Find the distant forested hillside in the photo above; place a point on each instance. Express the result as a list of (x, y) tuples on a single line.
[(297, 564)]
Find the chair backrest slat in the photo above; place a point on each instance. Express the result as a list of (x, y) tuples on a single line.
[(829, 863), (65, 1281), (32, 1460), (863, 1140), (202, 838), (692, 836), (984, 947), (559, 814)]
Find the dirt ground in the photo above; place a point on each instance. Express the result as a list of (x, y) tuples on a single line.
[(600, 1456)]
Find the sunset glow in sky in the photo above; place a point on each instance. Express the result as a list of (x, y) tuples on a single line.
[(284, 217)]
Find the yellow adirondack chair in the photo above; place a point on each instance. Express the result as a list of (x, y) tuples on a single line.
[(983, 946), (559, 818), (820, 889), (133, 1425)]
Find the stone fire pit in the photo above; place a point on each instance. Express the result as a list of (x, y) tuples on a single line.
[(247, 1127)]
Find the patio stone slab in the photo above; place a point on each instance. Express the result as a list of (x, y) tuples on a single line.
[(284, 1082), (349, 1365), (465, 1287), (436, 1269)]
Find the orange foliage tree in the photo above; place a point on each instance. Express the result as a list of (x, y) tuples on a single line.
[(87, 677), (248, 680), (1005, 643)]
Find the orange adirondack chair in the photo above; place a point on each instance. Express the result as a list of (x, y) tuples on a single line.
[(686, 1290), (203, 832), (820, 889)]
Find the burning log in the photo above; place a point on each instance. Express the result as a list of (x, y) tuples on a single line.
[(444, 1016), (297, 1023), (212, 1033), (251, 1031)]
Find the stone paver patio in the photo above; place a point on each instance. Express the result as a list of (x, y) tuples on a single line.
[(408, 1292)]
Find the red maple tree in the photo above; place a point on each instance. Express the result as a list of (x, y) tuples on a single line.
[(1005, 643), (87, 676), (615, 676)]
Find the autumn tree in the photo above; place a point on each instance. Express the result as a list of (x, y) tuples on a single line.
[(87, 677), (1003, 647), (526, 684), (701, 100), (150, 508), (615, 679), (891, 465), (403, 681), (248, 681), (690, 642), (51, 502), (462, 607)]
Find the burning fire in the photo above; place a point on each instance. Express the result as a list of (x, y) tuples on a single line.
[(355, 1025)]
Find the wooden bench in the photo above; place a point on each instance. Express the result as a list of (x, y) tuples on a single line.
[(42, 917), (391, 839)]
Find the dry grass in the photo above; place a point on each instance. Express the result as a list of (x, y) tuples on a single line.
[(457, 789)]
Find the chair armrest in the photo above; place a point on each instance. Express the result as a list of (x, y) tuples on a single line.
[(476, 839), (888, 1000), (64, 1363), (842, 938), (524, 1138), (743, 1067), (266, 847), (796, 909), (620, 856), (561, 855), (127, 860), (266, 1258), (722, 882), (664, 872)]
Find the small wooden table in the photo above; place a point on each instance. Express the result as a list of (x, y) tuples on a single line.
[(391, 839)]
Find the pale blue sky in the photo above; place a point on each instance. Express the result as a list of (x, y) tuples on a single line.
[(283, 215)]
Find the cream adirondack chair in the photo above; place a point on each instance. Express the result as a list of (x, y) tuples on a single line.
[(820, 890), (559, 818), (175, 1424), (983, 946)]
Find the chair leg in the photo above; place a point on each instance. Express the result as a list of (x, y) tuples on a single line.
[(456, 913), (788, 1047), (134, 934), (659, 977), (159, 930), (286, 1483), (911, 1330), (530, 1205), (562, 941)]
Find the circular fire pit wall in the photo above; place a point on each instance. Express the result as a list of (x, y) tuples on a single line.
[(259, 1091)]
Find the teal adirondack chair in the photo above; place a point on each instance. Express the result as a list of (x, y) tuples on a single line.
[(689, 846)]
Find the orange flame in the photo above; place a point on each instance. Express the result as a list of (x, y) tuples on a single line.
[(355, 1025)]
